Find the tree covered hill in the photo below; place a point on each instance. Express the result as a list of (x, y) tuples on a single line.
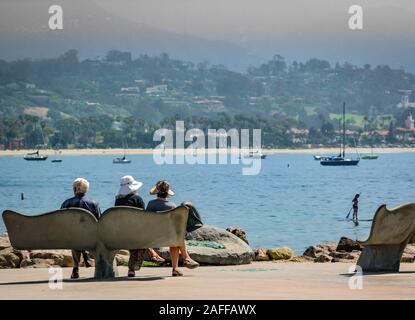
[(102, 102)]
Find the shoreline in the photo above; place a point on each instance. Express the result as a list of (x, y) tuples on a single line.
[(148, 151)]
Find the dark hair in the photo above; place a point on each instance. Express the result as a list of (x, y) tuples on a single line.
[(162, 194), (163, 188)]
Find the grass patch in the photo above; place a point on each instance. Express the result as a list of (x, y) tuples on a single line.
[(355, 118)]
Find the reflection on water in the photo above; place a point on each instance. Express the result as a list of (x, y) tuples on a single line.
[(297, 206)]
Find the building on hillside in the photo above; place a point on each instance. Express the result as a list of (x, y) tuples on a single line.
[(157, 90), (15, 144), (410, 122), (405, 103), (130, 90)]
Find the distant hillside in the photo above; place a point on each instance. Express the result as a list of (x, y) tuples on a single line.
[(297, 103)]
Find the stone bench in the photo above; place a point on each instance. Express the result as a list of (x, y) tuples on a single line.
[(78, 229), (392, 230)]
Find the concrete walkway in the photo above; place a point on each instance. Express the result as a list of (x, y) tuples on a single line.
[(260, 280)]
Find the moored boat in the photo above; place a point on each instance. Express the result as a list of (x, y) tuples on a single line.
[(341, 159), (35, 156)]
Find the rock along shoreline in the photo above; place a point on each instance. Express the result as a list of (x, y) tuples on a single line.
[(209, 246)]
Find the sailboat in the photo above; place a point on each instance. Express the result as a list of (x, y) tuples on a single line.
[(341, 159), (121, 160), (35, 156)]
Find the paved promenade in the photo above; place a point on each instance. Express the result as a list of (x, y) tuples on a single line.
[(265, 280)]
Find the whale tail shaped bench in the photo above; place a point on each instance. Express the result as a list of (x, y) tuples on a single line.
[(78, 229), (392, 230)]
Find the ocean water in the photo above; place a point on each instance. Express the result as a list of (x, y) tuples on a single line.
[(295, 206)]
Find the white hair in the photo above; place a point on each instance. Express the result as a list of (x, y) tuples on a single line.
[(81, 185)]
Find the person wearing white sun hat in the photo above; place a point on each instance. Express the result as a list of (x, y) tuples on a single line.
[(127, 196)]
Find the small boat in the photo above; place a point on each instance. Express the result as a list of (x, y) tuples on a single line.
[(57, 160), (370, 156), (253, 155), (121, 160), (35, 156), (319, 158), (341, 159)]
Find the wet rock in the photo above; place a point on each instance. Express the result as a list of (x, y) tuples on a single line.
[(261, 254), (348, 245), (283, 253), (241, 234)]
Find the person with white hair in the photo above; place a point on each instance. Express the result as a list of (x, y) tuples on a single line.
[(80, 187)]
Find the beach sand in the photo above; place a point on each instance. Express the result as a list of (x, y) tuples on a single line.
[(317, 151), (259, 280)]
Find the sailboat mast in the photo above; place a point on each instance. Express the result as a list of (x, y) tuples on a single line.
[(344, 129)]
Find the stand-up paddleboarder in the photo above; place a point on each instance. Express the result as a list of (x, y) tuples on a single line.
[(355, 202)]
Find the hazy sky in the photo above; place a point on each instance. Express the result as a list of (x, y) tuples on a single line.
[(298, 29)]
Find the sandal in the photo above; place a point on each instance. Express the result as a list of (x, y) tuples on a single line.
[(157, 259), (176, 273), (190, 263), (75, 273), (131, 273)]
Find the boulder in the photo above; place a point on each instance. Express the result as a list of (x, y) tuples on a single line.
[(283, 253), (27, 263), (123, 252), (312, 252), (4, 242), (408, 255), (241, 234), (122, 260), (348, 245), (210, 245), (301, 259), (9, 259), (324, 248), (261, 254), (323, 258)]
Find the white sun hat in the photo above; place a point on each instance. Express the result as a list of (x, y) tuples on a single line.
[(128, 184)]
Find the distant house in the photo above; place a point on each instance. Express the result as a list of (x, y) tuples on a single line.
[(130, 90), (15, 144), (410, 122), (30, 86), (91, 104), (157, 90)]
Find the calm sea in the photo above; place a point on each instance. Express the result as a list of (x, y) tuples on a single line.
[(294, 206)]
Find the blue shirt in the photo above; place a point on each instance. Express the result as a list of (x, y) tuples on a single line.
[(84, 203)]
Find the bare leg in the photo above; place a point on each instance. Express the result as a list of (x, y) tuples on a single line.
[(188, 262), (154, 256), (184, 252), (174, 254)]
